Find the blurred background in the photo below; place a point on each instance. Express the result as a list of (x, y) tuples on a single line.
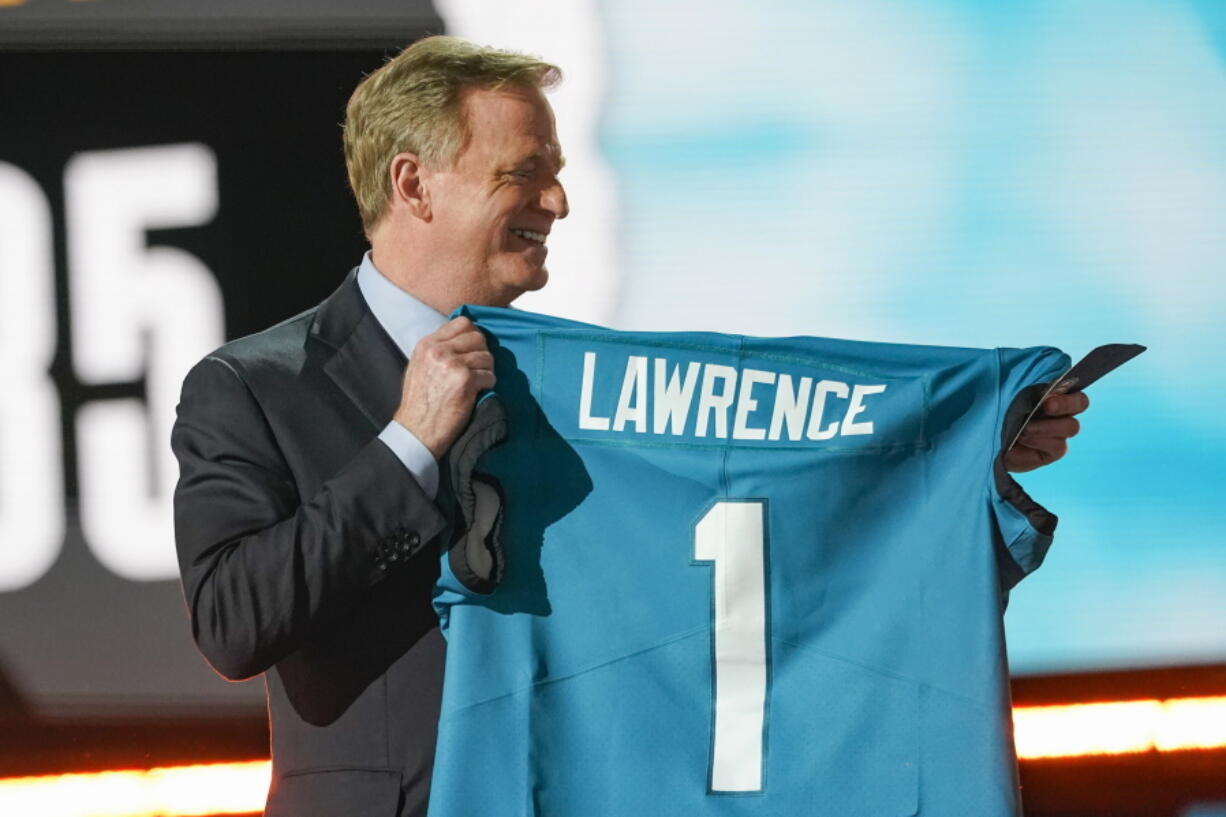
[(956, 172)]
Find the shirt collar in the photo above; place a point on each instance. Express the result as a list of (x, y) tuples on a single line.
[(406, 319)]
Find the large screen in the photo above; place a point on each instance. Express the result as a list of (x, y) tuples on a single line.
[(967, 173), (963, 173)]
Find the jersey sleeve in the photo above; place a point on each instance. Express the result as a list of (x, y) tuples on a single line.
[(473, 560), (1022, 528)]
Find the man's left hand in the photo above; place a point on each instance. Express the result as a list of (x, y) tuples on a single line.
[(1045, 438)]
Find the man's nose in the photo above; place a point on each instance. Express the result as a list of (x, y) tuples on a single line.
[(553, 199)]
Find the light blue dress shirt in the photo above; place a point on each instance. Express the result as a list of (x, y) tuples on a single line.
[(407, 320)]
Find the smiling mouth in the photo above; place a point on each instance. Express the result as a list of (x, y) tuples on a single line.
[(529, 235)]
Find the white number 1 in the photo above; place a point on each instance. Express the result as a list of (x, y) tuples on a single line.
[(730, 535)]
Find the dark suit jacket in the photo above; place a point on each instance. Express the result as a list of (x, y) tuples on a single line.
[(308, 553)]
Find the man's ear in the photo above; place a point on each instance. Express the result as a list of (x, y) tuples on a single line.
[(409, 188)]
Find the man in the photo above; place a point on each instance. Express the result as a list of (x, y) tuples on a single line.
[(306, 513), (306, 519)]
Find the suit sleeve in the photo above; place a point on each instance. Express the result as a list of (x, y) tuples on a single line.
[(1023, 529), (261, 565)]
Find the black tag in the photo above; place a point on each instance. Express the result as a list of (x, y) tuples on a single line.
[(1094, 365), (1090, 368)]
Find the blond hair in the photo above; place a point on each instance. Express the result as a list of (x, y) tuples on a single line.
[(411, 104)]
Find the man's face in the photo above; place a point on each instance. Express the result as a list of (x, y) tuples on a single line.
[(493, 209)]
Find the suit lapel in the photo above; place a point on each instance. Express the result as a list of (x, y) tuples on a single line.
[(365, 363)]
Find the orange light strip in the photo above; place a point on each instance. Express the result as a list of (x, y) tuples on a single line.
[(183, 791), (240, 788), (1119, 727)]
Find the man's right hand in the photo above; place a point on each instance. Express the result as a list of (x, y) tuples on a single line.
[(447, 370)]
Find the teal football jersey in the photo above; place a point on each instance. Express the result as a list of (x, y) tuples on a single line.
[(738, 576)]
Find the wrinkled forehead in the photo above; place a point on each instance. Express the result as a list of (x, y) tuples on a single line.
[(513, 106), (515, 118)]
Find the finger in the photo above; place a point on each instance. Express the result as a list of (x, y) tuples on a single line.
[(1065, 405), (440, 348), (1021, 458), (1052, 447), (478, 360), (1025, 458), (1061, 427), (484, 379), (452, 328), (469, 341)]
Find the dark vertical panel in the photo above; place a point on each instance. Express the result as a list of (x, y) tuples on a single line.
[(286, 232)]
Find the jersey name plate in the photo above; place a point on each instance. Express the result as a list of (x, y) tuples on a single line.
[(667, 394)]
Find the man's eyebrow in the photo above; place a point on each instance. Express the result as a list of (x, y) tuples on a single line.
[(554, 154)]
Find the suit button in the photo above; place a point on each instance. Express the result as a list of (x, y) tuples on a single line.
[(414, 539), (381, 565)]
